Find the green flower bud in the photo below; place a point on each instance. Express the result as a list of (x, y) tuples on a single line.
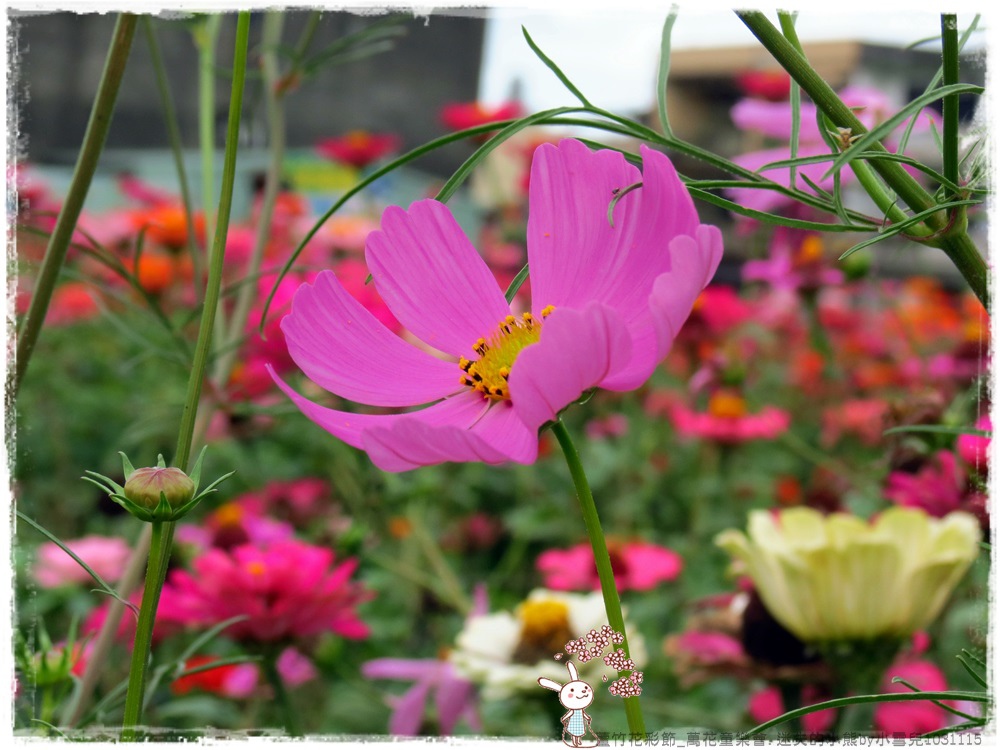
[(144, 486)]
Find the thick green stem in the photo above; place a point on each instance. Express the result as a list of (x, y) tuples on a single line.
[(90, 153), (212, 292), (612, 604), (176, 147), (288, 710), (949, 58), (156, 572), (950, 226)]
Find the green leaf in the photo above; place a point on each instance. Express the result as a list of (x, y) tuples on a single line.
[(773, 218), (885, 128), (554, 68), (939, 429), (663, 73), (901, 226), (516, 284)]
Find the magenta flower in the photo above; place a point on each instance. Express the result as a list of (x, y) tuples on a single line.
[(728, 421), (637, 565), (975, 449), (288, 589), (938, 487), (607, 302)]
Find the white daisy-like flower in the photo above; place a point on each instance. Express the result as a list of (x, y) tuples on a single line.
[(506, 652)]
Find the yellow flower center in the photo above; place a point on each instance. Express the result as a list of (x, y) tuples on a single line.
[(229, 514), (257, 568), (497, 353), (544, 630), (727, 405)]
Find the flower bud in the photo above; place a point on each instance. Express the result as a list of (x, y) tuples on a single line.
[(144, 487)]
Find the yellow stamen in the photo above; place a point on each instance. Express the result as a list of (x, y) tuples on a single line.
[(546, 311), (488, 374)]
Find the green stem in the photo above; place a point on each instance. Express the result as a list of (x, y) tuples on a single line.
[(288, 710), (612, 604), (156, 572), (270, 39), (162, 534), (949, 57), (212, 292), (206, 37), (83, 173), (176, 147), (953, 238)]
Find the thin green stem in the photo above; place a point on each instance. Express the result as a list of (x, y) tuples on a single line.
[(950, 64), (176, 148), (270, 39), (206, 36), (606, 575), (288, 710), (212, 292), (787, 21), (83, 173), (156, 572)]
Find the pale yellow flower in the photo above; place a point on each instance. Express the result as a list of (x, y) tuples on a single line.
[(841, 578)]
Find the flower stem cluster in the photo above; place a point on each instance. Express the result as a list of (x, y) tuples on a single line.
[(158, 493)]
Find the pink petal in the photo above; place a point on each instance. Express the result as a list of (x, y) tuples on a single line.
[(432, 278), (340, 346), (348, 427), (408, 714), (774, 119), (454, 695), (400, 669), (693, 262), (494, 435), (575, 255), (571, 246), (578, 350)]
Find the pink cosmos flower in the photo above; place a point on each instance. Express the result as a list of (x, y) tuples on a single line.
[(288, 589), (106, 555), (637, 565), (607, 302), (454, 697), (727, 420)]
